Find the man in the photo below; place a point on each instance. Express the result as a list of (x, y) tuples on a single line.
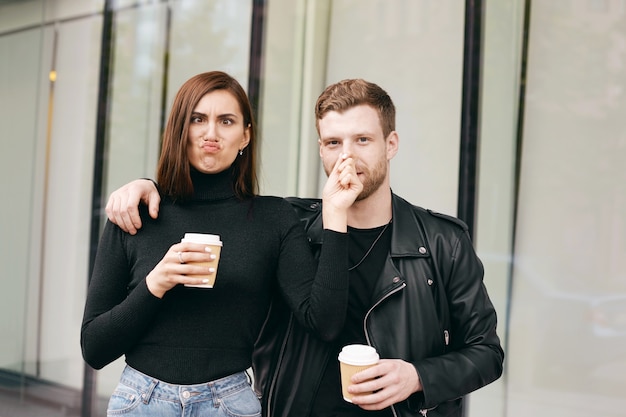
[(416, 290)]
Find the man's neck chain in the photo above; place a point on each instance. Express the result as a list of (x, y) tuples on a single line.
[(371, 247)]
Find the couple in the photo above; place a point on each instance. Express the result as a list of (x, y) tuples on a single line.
[(415, 283)]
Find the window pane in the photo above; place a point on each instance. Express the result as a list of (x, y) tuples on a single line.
[(569, 294)]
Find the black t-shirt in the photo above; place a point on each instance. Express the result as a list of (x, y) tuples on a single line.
[(368, 249)]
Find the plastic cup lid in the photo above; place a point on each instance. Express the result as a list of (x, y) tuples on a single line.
[(358, 355), (202, 238)]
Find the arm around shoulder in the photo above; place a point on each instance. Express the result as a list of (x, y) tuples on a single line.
[(122, 205)]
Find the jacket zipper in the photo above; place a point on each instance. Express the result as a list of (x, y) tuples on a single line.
[(367, 336), (395, 290), (424, 411)]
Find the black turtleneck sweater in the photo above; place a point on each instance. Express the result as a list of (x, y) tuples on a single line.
[(195, 335)]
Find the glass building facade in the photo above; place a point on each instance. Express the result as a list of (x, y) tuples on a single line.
[(510, 115)]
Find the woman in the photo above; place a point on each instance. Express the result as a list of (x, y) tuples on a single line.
[(187, 349)]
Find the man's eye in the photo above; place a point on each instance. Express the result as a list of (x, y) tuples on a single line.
[(362, 139)]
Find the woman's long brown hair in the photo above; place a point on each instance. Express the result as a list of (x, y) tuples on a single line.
[(173, 170)]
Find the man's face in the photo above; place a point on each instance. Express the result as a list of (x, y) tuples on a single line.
[(357, 132)]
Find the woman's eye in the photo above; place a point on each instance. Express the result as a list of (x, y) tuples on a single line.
[(196, 119), (227, 122)]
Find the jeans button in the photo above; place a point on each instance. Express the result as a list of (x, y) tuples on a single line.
[(186, 394)]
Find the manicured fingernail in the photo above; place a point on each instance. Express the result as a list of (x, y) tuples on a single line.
[(205, 281), (212, 256), (208, 249), (211, 269)]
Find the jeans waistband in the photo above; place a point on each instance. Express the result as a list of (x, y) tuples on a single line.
[(151, 387)]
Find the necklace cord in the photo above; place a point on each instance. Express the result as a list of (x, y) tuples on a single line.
[(371, 247)]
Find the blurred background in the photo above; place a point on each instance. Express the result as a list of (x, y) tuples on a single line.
[(510, 116)]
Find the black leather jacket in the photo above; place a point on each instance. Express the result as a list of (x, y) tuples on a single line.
[(431, 309)]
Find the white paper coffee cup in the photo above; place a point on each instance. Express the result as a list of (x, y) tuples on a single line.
[(214, 242), (353, 359)]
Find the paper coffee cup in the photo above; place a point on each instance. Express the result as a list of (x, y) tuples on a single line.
[(216, 248), (353, 359)]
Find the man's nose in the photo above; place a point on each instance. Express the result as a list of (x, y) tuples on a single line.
[(347, 149)]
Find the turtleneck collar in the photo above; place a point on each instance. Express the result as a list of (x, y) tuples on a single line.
[(212, 186)]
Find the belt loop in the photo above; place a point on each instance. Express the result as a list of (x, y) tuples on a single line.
[(215, 398), (145, 396)]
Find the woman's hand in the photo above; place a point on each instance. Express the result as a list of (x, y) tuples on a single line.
[(180, 265)]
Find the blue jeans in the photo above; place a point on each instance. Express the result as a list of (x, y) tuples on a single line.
[(138, 395)]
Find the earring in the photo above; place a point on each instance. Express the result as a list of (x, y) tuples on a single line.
[(240, 152)]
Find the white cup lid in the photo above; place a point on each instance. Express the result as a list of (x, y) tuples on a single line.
[(358, 355), (202, 238)]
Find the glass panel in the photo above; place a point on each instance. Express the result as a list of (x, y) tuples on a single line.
[(49, 86), (208, 35), (413, 50), (568, 345), (136, 91), (71, 9), (19, 15), (294, 75), (23, 135), (68, 209), (20, 85), (498, 139)]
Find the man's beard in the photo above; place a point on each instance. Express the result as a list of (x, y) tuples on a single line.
[(374, 178)]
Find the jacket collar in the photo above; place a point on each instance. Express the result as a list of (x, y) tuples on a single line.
[(407, 235)]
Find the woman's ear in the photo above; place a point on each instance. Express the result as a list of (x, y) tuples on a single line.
[(246, 136)]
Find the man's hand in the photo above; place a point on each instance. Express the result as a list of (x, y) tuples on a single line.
[(392, 380), (123, 205), (340, 192)]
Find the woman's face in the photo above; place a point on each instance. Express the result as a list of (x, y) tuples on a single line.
[(216, 132)]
